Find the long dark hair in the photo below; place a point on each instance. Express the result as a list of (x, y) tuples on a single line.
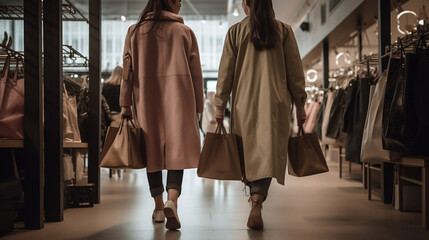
[(263, 24), (155, 7)]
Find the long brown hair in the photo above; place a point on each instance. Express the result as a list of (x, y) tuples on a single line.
[(116, 77), (154, 7), (263, 24)]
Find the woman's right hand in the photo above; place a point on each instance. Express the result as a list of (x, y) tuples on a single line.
[(126, 112)]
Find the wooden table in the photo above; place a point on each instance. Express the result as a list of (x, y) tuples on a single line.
[(422, 163)]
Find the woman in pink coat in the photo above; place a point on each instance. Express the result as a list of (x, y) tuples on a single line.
[(165, 88)]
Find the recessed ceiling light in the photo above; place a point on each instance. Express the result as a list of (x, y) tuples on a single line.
[(123, 18)]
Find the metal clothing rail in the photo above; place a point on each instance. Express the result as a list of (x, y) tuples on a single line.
[(422, 33), (70, 53), (6, 47), (69, 12)]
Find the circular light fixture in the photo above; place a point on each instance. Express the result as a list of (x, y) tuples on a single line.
[(409, 27), (345, 57), (312, 75), (123, 18)]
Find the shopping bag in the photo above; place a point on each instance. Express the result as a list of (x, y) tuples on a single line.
[(11, 104), (305, 155), (372, 147), (220, 157), (124, 147)]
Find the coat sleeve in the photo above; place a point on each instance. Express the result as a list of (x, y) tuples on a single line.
[(294, 70), (125, 99), (196, 73), (226, 73)]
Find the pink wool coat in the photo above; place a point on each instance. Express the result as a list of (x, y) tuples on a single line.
[(166, 90)]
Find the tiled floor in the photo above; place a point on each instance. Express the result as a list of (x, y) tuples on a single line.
[(319, 207)]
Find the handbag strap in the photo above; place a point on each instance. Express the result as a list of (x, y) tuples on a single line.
[(220, 129), (301, 131), (6, 67), (4, 79)]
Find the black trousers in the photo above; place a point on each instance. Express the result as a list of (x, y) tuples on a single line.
[(174, 181)]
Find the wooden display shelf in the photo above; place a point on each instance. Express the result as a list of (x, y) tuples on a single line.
[(11, 143)]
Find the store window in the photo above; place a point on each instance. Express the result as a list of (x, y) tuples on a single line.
[(210, 34)]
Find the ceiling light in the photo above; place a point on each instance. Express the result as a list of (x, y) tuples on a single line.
[(423, 16), (422, 22), (408, 26), (235, 13), (204, 21), (123, 18), (312, 75)]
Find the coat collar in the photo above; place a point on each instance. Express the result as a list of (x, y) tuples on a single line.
[(167, 16)]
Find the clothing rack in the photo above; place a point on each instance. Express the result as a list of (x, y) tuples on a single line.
[(16, 12), (70, 53), (6, 47), (422, 33)]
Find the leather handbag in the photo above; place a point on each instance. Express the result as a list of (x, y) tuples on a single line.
[(124, 147), (220, 157), (394, 111), (71, 132), (305, 155), (11, 104), (416, 127)]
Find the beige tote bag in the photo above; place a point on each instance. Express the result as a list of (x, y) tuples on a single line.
[(124, 147), (372, 147)]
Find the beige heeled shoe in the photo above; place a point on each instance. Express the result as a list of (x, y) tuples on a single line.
[(170, 212), (255, 217), (158, 216)]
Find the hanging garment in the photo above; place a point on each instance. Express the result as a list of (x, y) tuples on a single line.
[(311, 117), (372, 147), (319, 120), (71, 131), (360, 109), (11, 104), (349, 103), (325, 139), (336, 115)]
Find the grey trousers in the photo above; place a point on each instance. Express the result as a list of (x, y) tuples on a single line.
[(260, 186), (174, 181)]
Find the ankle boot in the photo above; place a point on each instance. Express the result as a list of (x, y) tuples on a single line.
[(255, 217)]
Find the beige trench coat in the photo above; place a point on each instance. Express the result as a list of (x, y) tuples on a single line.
[(263, 85), (167, 92)]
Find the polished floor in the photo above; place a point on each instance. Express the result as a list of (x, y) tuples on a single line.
[(318, 207)]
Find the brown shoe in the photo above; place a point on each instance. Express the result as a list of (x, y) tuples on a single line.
[(255, 217)]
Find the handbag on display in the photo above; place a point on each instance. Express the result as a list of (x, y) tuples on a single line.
[(372, 147), (124, 147), (71, 131), (394, 110), (305, 155), (416, 130), (220, 158), (11, 103)]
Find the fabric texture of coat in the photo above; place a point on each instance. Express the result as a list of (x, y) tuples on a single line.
[(166, 91), (263, 85)]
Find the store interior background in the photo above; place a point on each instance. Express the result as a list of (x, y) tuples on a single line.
[(210, 20)]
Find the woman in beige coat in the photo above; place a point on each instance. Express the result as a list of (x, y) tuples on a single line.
[(166, 91), (261, 66)]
